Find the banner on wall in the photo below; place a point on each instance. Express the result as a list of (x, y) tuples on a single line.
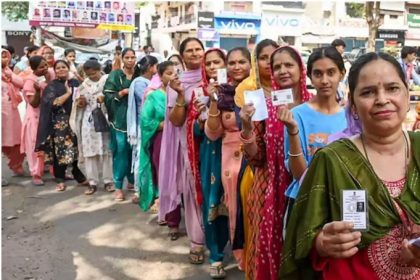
[(105, 15)]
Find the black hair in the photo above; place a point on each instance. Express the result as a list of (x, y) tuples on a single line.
[(219, 52), (244, 51), (35, 61), (363, 61), (61, 61), (265, 43), (126, 50), (31, 49), (144, 64), (163, 66), (91, 64), (177, 56), (338, 42), (11, 49), (291, 52), (327, 52), (118, 48), (107, 67), (186, 41), (67, 51), (406, 50)]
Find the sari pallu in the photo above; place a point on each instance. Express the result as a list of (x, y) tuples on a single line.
[(55, 136), (270, 243), (334, 168), (152, 114)]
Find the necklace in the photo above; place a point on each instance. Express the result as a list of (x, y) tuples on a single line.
[(406, 152)]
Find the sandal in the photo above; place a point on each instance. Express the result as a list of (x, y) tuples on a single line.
[(119, 195), (109, 187), (135, 199), (91, 190), (68, 177), (196, 256), (162, 223), (217, 271), (173, 234), (154, 209), (84, 183), (60, 187)]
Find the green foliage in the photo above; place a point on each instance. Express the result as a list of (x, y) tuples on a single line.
[(355, 10), (15, 11)]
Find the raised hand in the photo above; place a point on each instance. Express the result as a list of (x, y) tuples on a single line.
[(246, 114), (286, 116)]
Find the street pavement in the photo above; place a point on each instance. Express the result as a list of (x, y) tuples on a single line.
[(67, 235)]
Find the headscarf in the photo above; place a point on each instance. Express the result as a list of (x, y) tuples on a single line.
[(250, 83), (270, 243), (353, 127), (13, 89), (193, 143)]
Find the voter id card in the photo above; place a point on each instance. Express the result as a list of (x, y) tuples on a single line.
[(354, 208), (199, 93), (221, 76), (282, 97)]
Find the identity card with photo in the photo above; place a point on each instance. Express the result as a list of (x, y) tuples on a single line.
[(221, 76), (257, 97), (282, 97), (41, 79), (354, 208)]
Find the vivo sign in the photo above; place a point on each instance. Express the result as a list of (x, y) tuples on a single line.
[(236, 24), (277, 21)]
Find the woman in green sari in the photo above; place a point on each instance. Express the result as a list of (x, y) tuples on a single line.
[(384, 161), (152, 117), (116, 102)]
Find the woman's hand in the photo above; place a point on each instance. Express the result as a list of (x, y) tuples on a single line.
[(100, 99), (199, 105), (68, 89), (81, 102), (286, 116), (246, 114), (37, 86), (212, 89), (176, 85), (410, 254), (123, 92), (337, 240)]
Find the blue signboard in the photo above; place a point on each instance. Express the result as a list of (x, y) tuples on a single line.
[(237, 24)]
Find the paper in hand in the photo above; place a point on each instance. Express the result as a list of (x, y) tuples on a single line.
[(282, 97), (257, 97), (221, 76), (354, 208)]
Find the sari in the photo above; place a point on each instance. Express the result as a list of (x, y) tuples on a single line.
[(340, 166), (152, 114)]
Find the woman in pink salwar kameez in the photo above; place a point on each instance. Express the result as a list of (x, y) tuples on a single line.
[(33, 87), (11, 123)]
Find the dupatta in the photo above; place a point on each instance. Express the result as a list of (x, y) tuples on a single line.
[(137, 87), (13, 83), (193, 144), (271, 241)]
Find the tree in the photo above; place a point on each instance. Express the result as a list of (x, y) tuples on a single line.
[(355, 10), (15, 11), (373, 18)]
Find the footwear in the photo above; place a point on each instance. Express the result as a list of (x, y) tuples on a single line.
[(68, 177), (91, 190), (4, 182), (130, 187), (109, 187), (196, 256), (60, 187), (84, 183), (119, 195), (217, 271), (173, 234), (37, 181), (162, 223), (18, 172), (135, 199)]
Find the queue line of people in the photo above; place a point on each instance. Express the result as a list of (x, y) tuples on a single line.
[(271, 187)]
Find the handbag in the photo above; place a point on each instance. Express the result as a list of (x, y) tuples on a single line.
[(99, 120)]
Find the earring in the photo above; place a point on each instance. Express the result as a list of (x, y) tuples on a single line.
[(355, 116)]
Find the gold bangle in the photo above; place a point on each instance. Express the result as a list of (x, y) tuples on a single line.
[(215, 115)]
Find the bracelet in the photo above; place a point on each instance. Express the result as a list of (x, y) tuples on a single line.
[(180, 104), (293, 134), (214, 115), (247, 140), (294, 155)]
